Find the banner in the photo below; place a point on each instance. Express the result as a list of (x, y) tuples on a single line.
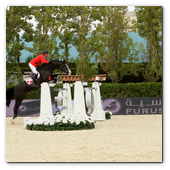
[(27, 108), (133, 105), (118, 106)]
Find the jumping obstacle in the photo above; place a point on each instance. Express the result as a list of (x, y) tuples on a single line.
[(87, 101)]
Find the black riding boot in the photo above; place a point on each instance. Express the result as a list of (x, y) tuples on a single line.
[(34, 81)]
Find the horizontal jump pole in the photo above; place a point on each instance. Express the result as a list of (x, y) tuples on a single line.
[(92, 88), (57, 89)]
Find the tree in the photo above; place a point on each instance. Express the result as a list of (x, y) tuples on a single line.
[(66, 40), (16, 21), (149, 26), (84, 39), (47, 31), (146, 54), (67, 33), (116, 47)]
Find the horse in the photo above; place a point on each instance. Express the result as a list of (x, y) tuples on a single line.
[(19, 92)]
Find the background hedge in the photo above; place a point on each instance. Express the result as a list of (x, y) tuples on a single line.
[(113, 90), (110, 90)]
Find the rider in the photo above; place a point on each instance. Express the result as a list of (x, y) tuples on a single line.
[(34, 63)]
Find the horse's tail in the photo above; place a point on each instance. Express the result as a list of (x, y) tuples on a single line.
[(9, 95)]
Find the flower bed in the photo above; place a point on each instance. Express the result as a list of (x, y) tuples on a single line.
[(60, 123)]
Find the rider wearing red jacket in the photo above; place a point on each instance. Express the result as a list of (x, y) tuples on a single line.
[(34, 63)]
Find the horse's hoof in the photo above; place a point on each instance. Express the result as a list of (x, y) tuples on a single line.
[(13, 122)]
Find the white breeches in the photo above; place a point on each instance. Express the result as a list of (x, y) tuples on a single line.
[(34, 70)]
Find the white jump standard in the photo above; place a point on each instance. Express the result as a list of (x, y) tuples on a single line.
[(79, 100), (98, 113)]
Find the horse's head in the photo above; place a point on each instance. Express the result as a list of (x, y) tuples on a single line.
[(62, 66)]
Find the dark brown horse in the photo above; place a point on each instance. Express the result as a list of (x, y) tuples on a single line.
[(19, 92)]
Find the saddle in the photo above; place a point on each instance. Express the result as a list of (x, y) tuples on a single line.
[(29, 79)]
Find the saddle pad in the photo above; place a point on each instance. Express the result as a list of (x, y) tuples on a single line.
[(29, 80)]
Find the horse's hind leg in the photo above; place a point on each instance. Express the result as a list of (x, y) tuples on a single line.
[(17, 104)]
